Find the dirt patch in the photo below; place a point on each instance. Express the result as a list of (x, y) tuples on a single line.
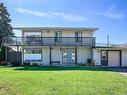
[(3, 89)]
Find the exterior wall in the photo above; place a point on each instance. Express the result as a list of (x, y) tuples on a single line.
[(56, 54), (97, 56), (45, 55), (72, 33), (46, 33), (124, 57), (67, 33), (83, 53)]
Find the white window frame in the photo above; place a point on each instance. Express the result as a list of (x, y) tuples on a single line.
[(78, 36), (33, 54), (58, 36)]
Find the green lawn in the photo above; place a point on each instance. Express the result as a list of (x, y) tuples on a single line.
[(61, 81)]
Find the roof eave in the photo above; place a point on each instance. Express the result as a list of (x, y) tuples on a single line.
[(57, 28)]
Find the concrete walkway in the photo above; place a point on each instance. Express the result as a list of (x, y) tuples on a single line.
[(122, 70)]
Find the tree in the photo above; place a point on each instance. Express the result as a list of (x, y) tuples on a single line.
[(5, 26)]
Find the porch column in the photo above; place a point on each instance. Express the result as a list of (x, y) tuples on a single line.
[(76, 54), (120, 58), (22, 52), (17, 48), (6, 51), (50, 55), (17, 53)]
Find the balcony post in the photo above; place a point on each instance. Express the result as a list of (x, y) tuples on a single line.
[(42, 41), (68, 40)]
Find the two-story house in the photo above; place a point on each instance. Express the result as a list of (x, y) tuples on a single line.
[(47, 45), (63, 45)]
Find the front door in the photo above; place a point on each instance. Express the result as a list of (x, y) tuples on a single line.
[(68, 56), (104, 58)]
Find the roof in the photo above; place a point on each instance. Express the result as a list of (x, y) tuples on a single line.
[(109, 48), (57, 28)]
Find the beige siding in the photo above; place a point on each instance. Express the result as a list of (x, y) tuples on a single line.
[(50, 33), (83, 53), (56, 54), (47, 33), (97, 56), (45, 55), (124, 57)]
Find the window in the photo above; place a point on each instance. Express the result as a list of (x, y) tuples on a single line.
[(32, 54), (32, 34), (32, 37), (78, 36), (58, 36), (104, 55)]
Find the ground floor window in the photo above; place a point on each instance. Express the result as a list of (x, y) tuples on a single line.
[(32, 54)]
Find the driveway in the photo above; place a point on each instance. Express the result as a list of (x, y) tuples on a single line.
[(121, 70)]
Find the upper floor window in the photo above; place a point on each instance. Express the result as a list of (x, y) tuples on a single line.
[(78, 36), (32, 37), (58, 36), (32, 34)]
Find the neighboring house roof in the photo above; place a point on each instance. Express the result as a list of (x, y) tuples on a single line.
[(57, 28), (113, 47)]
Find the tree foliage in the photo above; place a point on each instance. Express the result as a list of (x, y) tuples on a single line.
[(5, 26)]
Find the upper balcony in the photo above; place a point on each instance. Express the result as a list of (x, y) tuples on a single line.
[(49, 41)]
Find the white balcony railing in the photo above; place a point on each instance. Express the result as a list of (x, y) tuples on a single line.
[(49, 41)]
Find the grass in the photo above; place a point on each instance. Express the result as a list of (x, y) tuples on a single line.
[(61, 81)]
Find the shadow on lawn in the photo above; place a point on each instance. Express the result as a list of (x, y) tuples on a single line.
[(58, 68)]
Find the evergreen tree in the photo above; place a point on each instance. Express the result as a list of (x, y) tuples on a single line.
[(5, 26)]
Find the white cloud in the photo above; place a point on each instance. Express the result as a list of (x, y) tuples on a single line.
[(111, 15), (112, 7), (111, 12), (30, 12), (51, 15), (69, 17)]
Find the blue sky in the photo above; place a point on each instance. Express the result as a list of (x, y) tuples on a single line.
[(110, 16)]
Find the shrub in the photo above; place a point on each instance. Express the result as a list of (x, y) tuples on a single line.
[(26, 63), (34, 64), (3, 63), (16, 64), (82, 64)]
